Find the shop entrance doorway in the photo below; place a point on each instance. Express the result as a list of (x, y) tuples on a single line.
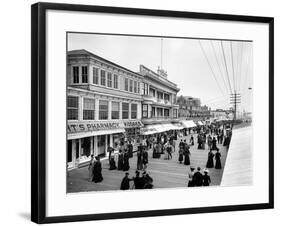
[(101, 145)]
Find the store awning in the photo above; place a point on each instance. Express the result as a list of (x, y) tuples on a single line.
[(188, 123), (148, 130), (200, 123), (178, 126), (71, 136)]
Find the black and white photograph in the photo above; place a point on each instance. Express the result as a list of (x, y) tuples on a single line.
[(157, 112)]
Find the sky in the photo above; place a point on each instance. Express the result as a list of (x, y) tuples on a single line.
[(207, 69)]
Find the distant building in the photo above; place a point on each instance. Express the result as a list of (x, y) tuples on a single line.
[(159, 98), (190, 107)]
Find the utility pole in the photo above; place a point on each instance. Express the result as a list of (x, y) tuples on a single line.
[(235, 99)]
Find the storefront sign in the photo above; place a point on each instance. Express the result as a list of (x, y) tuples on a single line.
[(133, 124), (94, 126), (76, 127)]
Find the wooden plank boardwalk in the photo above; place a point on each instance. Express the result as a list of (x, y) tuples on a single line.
[(165, 173), (239, 167)]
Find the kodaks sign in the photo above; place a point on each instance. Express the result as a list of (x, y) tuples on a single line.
[(74, 127)]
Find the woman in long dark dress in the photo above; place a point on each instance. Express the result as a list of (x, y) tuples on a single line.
[(218, 160), (214, 144), (206, 179), (191, 141), (126, 164), (112, 164), (145, 159), (120, 161), (130, 150), (180, 155), (97, 168), (210, 162), (186, 155), (140, 158)]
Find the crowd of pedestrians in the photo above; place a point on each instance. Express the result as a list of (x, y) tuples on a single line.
[(164, 145)]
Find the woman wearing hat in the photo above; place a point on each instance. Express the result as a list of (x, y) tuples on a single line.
[(210, 162), (218, 160), (206, 178), (190, 177)]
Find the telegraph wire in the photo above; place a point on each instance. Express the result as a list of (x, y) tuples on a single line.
[(225, 84), (206, 57), (231, 51), (224, 60)]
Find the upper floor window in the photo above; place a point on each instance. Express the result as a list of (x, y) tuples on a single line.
[(126, 84), (144, 110), (125, 110), (75, 74), (175, 113), (145, 89), (84, 74), (138, 91), (88, 109), (131, 86), (152, 92), (102, 78), (166, 97), (115, 110), (115, 82), (134, 111), (72, 108), (166, 112), (135, 87), (95, 75), (109, 79), (103, 109), (160, 95)]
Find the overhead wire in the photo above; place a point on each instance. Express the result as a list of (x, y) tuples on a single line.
[(217, 61), (214, 76), (225, 65)]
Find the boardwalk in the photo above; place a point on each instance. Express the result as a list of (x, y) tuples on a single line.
[(238, 169), (165, 173)]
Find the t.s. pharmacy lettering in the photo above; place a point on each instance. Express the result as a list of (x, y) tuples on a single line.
[(83, 127), (74, 127)]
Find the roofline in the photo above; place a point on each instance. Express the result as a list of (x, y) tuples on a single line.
[(103, 59)]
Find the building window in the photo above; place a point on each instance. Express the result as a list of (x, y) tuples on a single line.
[(153, 112), (84, 74), (115, 110), (126, 85), (88, 109), (166, 112), (109, 79), (102, 78), (95, 75), (160, 95), (166, 97), (72, 108), (144, 110), (152, 92), (75, 74), (115, 82), (145, 89), (134, 111), (103, 109), (125, 110), (159, 112), (175, 113), (138, 87), (131, 86), (135, 87)]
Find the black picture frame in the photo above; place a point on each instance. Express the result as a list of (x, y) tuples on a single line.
[(38, 110)]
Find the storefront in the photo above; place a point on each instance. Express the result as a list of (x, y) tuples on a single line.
[(94, 138)]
